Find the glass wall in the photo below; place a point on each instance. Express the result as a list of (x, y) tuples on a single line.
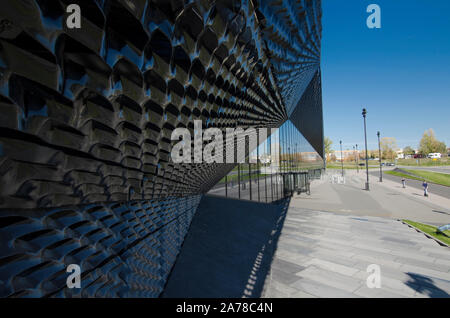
[(282, 164)]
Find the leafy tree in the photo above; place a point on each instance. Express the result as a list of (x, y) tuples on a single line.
[(327, 144), (442, 148), (408, 150), (388, 147), (429, 143)]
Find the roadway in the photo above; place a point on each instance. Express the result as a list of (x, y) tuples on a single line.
[(440, 169)]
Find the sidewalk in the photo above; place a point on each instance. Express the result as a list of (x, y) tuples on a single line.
[(321, 254), (416, 193), (386, 199)]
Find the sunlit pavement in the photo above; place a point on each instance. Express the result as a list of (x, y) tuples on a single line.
[(387, 199), (414, 187), (322, 254), (331, 237)]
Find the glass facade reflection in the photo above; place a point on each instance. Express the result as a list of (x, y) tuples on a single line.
[(285, 162)]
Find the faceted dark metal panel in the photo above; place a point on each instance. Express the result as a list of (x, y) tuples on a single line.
[(123, 249), (90, 112), (307, 116), (292, 31), (86, 120)]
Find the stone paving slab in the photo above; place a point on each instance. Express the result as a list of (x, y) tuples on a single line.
[(317, 289), (324, 254)]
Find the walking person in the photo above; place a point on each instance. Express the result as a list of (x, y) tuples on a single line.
[(425, 188), (404, 183)]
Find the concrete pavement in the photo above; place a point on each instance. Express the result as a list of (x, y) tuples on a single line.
[(331, 237), (322, 254), (228, 249), (438, 195), (318, 245), (386, 199), (433, 189)]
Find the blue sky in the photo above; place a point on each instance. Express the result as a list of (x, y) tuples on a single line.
[(400, 73)]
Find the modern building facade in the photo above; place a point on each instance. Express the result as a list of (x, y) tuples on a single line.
[(87, 116)]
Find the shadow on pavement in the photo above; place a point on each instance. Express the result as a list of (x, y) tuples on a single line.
[(441, 212), (425, 285), (228, 249)]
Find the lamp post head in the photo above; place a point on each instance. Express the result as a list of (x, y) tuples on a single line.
[(364, 112), (378, 134), (340, 141)]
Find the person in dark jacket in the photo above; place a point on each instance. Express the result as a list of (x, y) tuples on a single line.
[(425, 188)]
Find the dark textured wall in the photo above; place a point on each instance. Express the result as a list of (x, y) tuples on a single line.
[(89, 112), (292, 32), (123, 249), (87, 115), (307, 116)]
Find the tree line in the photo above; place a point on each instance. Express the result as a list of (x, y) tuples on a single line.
[(428, 144)]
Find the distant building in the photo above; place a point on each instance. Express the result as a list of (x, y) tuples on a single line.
[(264, 158), (309, 156), (346, 155)]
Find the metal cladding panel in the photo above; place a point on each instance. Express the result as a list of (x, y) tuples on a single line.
[(123, 249), (308, 116), (88, 114), (292, 34)]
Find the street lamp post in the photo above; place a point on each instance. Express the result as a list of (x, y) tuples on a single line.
[(342, 159), (379, 155), (364, 112), (289, 159), (357, 159)]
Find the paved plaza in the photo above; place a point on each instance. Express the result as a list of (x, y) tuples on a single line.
[(327, 254), (385, 199)]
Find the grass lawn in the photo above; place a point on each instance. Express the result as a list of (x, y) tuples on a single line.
[(431, 230), (348, 167), (424, 162), (402, 175), (433, 177)]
